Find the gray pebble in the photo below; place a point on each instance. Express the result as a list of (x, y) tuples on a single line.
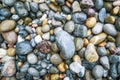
[(34, 6), (113, 71), (98, 4), (5, 12), (43, 72), (9, 2), (98, 28), (43, 7), (102, 15), (25, 67), (32, 71), (69, 26), (102, 51), (105, 62), (32, 58), (113, 59)]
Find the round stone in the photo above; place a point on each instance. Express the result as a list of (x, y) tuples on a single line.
[(76, 6), (113, 59), (99, 4), (69, 26), (102, 51), (78, 43), (110, 29), (23, 48), (102, 15), (32, 71), (45, 28), (32, 58), (9, 2), (97, 71), (97, 28), (110, 19), (7, 25), (38, 39), (11, 52), (55, 59), (91, 22)]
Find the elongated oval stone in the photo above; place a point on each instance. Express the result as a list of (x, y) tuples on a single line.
[(102, 15), (65, 43)]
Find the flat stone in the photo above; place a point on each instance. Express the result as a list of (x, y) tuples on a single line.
[(105, 62), (32, 71)]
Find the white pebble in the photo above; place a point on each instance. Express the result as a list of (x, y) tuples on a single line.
[(38, 39)]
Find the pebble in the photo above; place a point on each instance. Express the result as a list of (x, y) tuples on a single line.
[(98, 4), (98, 38), (102, 15), (7, 25), (34, 6), (97, 28), (11, 52), (43, 7), (45, 28), (54, 47), (80, 30), (102, 51), (79, 17), (25, 67), (2, 53), (61, 67), (63, 39), (32, 71), (46, 36), (38, 39), (5, 12), (9, 68), (88, 75), (108, 6), (60, 1), (97, 71), (90, 12), (69, 26), (118, 68), (105, 62), (87, 3), (76, 6), (110, 29), (78, 43), (91, 54), (9, 2), (118, 39), (55, 59), (32, 58), (110, 19), (113, 59), (23, 48), (113, 70), (66, 9), (76, 67), (76, 58), (10, 37), (91, 22), (7, 58), (117, 24), (116, 3)]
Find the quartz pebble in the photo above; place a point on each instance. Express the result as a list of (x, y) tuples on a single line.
[(55, 59), (2, 52), (97, 28), (32, 58)]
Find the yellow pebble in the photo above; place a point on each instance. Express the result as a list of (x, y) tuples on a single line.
[(61, 67), (91, 22), (115, 10), (88, 32), (52, 32), (68, 17), (45, 22), (20, 64), (11, 52)]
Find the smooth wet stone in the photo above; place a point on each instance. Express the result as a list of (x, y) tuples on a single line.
[(102, 51), (117, 24), (78, 43), (97, 71), (56, 23), (43, 72), (113, 71), (80, 30), (25, 67), (91, 54), (58, 17), (90, 22), (23, 48), (61, 67), (113, 59), (102, 15), (9, 2), (46, 36), (97, 28), (88, 65), (32, 71), (76, 58), (110, 19), (11, 52), (116, 3), (76, 6), (63, 39), (45, 28), (88, 75), (55, 59), (5, 12), (43, 7), (110, 29), (10, 37), (76, 67), (2, 52), (32, 58), (98, 38), (90, 12), (9, 68), (69, 26), (87, 3), (7, 25), (99, 4), (79, 17), (20, 9), (105, 62), (34, 6)]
